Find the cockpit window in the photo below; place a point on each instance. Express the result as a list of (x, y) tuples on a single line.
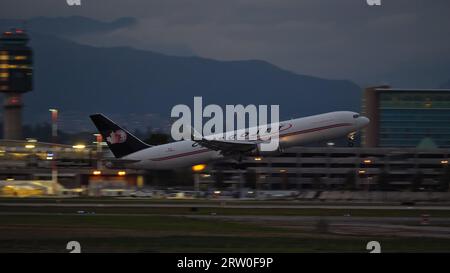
[(355, 116)]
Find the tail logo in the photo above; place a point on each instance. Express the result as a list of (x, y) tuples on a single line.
[(116, 137)]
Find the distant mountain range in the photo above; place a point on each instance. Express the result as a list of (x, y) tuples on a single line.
[(67, 26), (122, 80)]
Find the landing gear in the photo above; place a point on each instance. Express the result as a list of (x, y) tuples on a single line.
[(351, 139)]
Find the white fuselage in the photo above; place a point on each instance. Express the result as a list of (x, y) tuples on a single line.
[(293, 132)]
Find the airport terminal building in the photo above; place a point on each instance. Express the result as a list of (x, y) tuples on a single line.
[(406, 117), (76, 166), (333, 168), (338, 168), (405, 147)]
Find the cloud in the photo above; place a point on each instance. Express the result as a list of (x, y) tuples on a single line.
[(327, 38)]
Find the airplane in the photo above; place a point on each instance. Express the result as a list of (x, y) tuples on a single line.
[(132, 153)]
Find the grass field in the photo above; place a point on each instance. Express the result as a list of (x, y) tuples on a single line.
[(185, 229), (50, 233)]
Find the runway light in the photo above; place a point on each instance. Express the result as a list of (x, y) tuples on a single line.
[(121, 173), (444, 162), (199, 167), (96, 172), (79, 146), (361, 172), (30, 146), (367, 161), (258, 158)]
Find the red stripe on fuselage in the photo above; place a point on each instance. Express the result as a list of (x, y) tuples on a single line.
[(181, 155), (285, 135), (316, 129)]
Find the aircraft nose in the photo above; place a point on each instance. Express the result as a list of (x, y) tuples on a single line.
[(363, 121)]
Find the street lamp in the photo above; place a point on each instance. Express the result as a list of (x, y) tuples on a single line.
[(98, 141), (197, 169), (54, 113)]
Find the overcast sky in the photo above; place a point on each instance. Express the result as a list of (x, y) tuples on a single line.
[(341, 39)]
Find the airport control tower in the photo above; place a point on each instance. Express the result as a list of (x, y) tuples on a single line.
[(16, 78)]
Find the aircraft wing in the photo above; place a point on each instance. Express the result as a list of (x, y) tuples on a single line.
[(227, 147)]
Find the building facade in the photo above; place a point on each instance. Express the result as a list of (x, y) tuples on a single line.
[(16, 78), (334, 168), (298, 168), (75, 165), (406, 117)]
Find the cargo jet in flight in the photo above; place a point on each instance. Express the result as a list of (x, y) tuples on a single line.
[(130, 152)]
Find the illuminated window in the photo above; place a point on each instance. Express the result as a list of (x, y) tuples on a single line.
[(4, 75), (3, 66), (4, 57), (20, 58)]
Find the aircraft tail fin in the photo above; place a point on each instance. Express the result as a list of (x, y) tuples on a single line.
[(120, 141)]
